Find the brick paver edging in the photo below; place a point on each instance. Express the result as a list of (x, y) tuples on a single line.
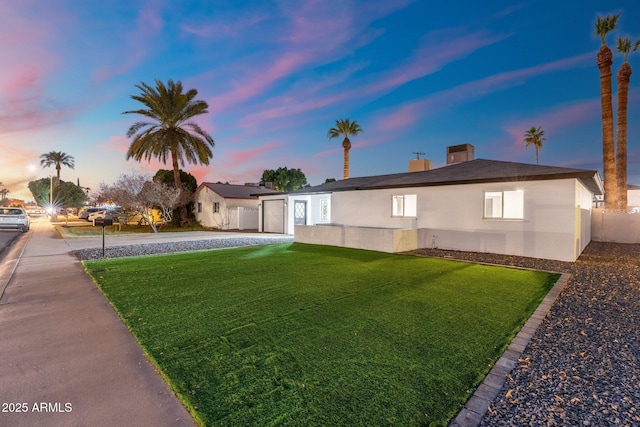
[(475, 408)]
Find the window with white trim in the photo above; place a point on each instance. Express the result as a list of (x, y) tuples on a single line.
[(405, 205), (324, 210), (504, 204)]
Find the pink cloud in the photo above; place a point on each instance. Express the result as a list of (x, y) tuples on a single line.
[(28, 46), (437, 49), (316, 34), (138, 42), (119, 144), (238, 158), (224, 28), (466, 92), (561, 117)]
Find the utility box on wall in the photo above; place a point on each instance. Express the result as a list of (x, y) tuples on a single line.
[(459, 153)]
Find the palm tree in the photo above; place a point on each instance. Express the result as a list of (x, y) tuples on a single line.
[(57, 158), (169, 132), (624, 75), (346, 128), (603, 26), (4, 192), (535, 137)]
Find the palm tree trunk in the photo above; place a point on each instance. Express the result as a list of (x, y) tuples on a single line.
[(537, 163), (605, 61), (178, 183), (346, 144), (624, 75)]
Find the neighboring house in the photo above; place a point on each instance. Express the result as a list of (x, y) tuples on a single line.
[(228, 206), (478, 205), (633, 197)]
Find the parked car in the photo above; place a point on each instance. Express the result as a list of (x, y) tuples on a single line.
[(14, 218), (96, 215), (88, 211)]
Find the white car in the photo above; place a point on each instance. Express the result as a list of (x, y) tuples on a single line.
[(14, 218), (88, 211), (96, 215)]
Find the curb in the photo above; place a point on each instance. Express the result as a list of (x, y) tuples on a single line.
[(10, 260)]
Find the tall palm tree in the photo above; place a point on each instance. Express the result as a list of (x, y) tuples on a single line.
[(346, 128), (624, 75), (535, 137), (603, 26), (57, 158), (170, 131)]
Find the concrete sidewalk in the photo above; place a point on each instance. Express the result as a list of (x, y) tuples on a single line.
[(66, 357)]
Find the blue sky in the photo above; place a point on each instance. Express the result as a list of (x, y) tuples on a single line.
[(416, 75)]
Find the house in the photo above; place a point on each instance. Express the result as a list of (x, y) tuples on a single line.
[(228, 206), (477, 205), (633, 196)]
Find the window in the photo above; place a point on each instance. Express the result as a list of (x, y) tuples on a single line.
[(405, 205), (216, 207), (199, 207), (324, 210), (504, 204)]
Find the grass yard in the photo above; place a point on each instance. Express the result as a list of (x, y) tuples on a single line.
[(305, 335)]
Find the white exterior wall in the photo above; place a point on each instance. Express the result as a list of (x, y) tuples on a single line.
[(247, 218), (314, 211), (229, 217), (451, 217), (633, 198), (584, 212)]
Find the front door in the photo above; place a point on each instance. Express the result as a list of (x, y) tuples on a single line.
[(300, 212)]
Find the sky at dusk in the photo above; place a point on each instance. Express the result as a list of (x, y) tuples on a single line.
[(418, 76)]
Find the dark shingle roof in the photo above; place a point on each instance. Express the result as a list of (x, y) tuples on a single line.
[(231, 191), (471, 172)]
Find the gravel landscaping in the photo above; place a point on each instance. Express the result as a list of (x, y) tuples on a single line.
[(582, 367), (165, 248)]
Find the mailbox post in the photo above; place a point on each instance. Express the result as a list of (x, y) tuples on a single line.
[(102, 222)]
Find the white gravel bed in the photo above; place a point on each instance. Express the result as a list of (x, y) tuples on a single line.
[(186, 246)]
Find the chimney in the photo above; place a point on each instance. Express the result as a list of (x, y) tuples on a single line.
[(459, 153), (418, 164)]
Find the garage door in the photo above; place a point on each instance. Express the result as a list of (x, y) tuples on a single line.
[(273, 216)]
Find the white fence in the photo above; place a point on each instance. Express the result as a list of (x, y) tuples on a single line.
[(615, 226)]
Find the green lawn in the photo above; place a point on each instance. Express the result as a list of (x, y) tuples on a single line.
[(304, 335)]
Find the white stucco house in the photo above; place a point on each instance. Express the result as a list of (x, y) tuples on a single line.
[(228, 206), (478, 205), (633, 196)]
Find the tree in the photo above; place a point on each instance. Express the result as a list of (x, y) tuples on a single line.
[(4, 192), (57, 158), (535, 137), (139, 193), (603, 26), (346, 128), (188, 181), (189, 185), (65, 194), (284, 179), (328, 180), (624, 75), (170, 133)]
